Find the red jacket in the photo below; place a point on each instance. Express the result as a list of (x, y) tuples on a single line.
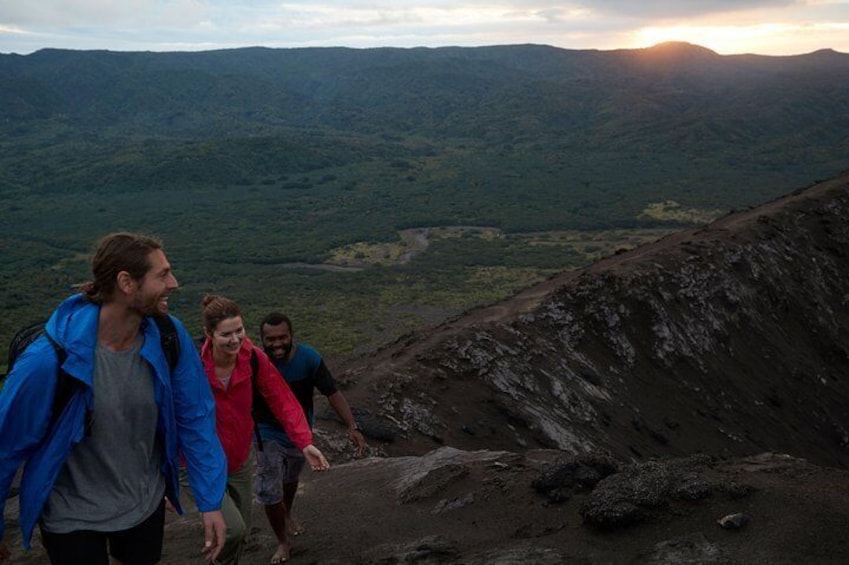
[(233, 420)]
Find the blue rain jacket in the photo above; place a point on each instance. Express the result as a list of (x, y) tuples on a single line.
[(186, 413)]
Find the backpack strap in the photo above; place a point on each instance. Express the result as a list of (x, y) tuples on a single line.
[(254, 371), (66, 387), (254, 364), (168, 337)]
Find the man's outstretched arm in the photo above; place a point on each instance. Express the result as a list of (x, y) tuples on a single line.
[(340, 405)]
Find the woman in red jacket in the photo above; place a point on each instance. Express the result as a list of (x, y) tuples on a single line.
[(240, 374)]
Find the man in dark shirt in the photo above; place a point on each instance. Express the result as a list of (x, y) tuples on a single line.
[(280, 464)]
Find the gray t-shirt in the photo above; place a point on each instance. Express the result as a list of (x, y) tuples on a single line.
[(111, 480)]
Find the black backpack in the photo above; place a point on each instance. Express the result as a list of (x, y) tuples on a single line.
[(22, 339)]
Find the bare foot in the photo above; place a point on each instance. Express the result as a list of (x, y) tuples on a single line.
[(281, 555), (294, 528)]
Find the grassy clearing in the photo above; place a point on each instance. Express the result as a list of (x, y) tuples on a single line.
[(669, 210), (590, 245)]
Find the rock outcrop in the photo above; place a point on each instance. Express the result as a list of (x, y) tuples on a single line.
[(731, 339)]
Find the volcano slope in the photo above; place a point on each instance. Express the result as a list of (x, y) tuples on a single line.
[(683, 402), (731, 339)]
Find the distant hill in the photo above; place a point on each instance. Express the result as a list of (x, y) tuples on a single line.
[(444, 92), (672, 101), (250, 161)]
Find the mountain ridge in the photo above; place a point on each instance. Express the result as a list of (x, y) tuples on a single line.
[(91, 81)]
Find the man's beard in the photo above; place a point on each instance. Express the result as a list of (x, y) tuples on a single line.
[(272, 351), (151, 307)]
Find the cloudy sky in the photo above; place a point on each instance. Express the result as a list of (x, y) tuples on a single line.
[(767, 27)]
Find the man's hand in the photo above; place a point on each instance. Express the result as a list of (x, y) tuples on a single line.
[(343, 410), (315, 458), (357, 440), (214, 530)]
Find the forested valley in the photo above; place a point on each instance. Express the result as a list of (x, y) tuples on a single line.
[(372, 192)]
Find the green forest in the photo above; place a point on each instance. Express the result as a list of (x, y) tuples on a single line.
[(292, 179)]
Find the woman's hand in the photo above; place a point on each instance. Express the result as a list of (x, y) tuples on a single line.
[(315, 458)]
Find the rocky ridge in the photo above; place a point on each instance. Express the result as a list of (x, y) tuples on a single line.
[(731, 339)]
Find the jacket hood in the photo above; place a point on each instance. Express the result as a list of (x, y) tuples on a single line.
[(73, 325)]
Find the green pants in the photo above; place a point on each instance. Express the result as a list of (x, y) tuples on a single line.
[(236, 507)]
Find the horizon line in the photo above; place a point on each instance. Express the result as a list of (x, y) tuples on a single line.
[(682, 44)]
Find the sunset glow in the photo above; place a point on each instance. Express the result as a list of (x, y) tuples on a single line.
[(787, 39)]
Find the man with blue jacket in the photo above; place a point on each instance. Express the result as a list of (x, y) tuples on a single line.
[(97, 474)]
